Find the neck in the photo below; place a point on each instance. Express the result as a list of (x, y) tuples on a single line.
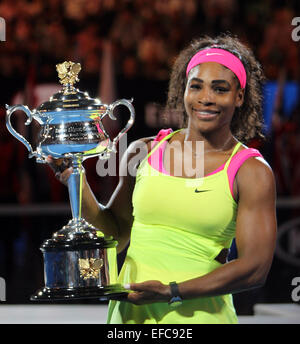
[(213, 142)]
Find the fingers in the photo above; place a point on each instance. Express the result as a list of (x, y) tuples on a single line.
[(144, 286), (136, 287), (53, 163), (147, 292), (135, 295), (64, 176), (136, 298), (61, 168), (58, 164)]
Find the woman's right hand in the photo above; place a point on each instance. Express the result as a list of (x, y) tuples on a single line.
[(61, 168)]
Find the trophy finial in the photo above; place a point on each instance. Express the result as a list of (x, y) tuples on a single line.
[(68, 73)]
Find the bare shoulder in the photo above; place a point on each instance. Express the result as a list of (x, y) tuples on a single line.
[(256, 167), (255, 177), (140, 144)]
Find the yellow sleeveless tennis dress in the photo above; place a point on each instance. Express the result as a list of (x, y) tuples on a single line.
[(176, 234)]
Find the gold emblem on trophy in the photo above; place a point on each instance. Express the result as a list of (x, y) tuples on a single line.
[(90, 267), (68, 72)]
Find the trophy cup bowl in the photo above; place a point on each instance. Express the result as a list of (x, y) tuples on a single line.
[(79, 261)]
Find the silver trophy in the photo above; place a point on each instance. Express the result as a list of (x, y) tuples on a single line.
[(79, 261)]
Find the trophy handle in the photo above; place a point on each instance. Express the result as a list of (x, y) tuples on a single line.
[(129, 124), (9, 112)]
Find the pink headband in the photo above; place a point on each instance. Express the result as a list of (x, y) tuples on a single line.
[(223, 57)]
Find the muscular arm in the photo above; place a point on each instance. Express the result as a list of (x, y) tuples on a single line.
[(255, 240), (255, 237)]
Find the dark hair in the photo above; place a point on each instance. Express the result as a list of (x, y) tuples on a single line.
[(247, 121)]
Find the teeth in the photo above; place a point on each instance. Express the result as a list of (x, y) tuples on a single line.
[(206, 113)]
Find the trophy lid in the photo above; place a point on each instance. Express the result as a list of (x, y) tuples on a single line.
[(69, 98)]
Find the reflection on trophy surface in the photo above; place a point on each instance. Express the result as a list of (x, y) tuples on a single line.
[(79, 262)]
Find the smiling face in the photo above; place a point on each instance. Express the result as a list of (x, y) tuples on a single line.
[(211, 96)]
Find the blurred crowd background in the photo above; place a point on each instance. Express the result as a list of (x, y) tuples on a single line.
[(126, 49)]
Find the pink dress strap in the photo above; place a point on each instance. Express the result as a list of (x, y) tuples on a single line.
[(236, 162), (162, 134), (156, 158)]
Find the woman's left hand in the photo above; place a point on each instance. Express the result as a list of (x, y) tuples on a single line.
[(148, 292)]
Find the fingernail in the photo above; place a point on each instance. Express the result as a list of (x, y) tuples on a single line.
[(126, 286)]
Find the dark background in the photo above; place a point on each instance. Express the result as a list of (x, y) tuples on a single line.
[(126, 49)]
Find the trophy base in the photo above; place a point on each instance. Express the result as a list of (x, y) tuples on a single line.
[(66, 294), (79, 263)]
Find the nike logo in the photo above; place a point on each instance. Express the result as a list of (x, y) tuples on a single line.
[(197, 191)]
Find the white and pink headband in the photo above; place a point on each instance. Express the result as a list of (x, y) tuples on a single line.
[(223, 57)]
